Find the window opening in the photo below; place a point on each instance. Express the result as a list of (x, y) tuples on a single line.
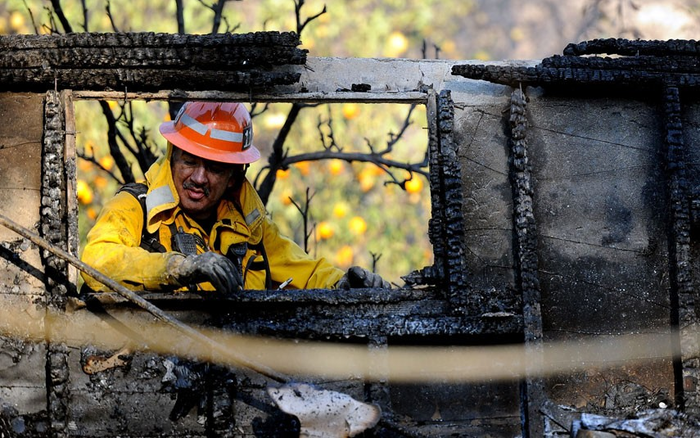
[(370, 208)]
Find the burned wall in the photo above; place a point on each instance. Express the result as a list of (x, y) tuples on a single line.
[(611, 147), (22, 364), (601, 209), (598, 199)]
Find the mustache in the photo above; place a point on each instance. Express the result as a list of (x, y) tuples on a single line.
[(190, 185)]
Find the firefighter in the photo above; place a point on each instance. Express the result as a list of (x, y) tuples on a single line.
[(197, 223)]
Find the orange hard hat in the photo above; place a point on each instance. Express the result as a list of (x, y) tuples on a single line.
[(217, 131)]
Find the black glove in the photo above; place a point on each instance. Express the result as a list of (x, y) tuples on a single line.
[(209, 266), (358, 277)]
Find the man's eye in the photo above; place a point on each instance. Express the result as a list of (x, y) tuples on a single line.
[(216, 169)]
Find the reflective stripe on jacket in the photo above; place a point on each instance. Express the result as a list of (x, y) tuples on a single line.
[(113, 243)]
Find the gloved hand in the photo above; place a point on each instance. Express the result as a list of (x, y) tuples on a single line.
[(358, 277), (209, 266)]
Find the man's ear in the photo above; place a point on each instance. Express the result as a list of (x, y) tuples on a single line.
[(237, 177), (236, 180), (231, 180)]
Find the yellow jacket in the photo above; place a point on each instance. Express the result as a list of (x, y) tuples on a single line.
[(113, 243)]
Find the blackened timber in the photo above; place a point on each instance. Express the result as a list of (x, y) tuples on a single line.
[(620, 46), (53, 229), (446, 230), (451, 175), (433, 274), (637, 64), (684, 297), (148, 61), (338, 314), (526, 257), (142, 79)]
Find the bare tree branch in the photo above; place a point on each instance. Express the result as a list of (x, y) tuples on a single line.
[(230, 29), (91, 158), (143, 149), (298, 4), (384, 163), (31, 17), (180, 16), (85, 15), (277, 157), (52, 27), (58, 10), (108, 10), (218, 9), (375, 259), (305, 217), (374, 156), (114, 150), (332, 144)]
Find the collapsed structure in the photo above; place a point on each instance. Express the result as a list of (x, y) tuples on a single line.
[(564, 206)]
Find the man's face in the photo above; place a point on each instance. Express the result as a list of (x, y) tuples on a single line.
[(200, 183)]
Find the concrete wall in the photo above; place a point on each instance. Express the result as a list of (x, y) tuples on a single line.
[(22, 364), (600, 208)]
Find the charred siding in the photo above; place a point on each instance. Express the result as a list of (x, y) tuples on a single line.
[(148, 61)]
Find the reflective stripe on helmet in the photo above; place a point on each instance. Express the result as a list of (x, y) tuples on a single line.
[(217, 134)]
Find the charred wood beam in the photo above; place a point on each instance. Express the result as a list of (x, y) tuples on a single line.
[(53, 229), (450, 171), (637, 64), (683, 297), (148, 61), (333, 314), (620, 46), (434, 274), (446, 227), (525, 228)]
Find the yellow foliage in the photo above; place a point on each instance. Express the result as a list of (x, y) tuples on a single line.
[(282, 173), (414, 185), (396, 44), (285, 197), (17, 21), (336, 167), (100, 182), (357, 225), (322, 31), (344, 256), (107, 162), (303, 167), (376, 170), (482, 55), (84, 192), (517, 34), (91, 213), (367, 179), (325, 230), (340, 210), (449, 47), (350, 110), (84, 165)]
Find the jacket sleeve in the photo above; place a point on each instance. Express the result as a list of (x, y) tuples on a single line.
[(288, 260), (113, 248)]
